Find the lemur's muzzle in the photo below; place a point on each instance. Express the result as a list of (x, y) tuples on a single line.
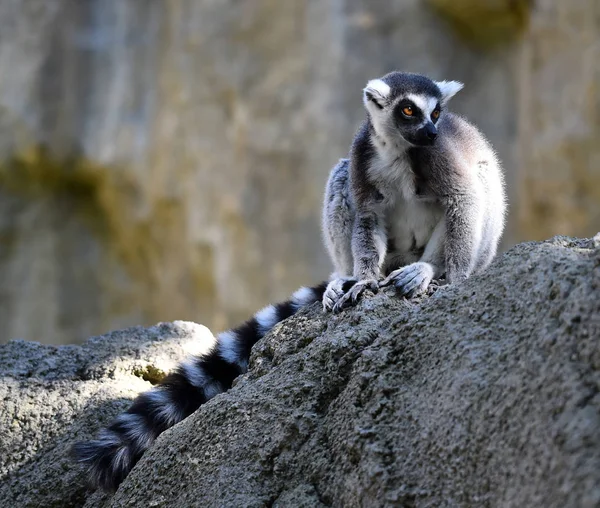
[(427, 134)]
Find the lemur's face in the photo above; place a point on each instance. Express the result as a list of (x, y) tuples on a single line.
[(407, 107), (415, 116)]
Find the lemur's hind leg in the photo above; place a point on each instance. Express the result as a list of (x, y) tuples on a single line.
[(338, 218)]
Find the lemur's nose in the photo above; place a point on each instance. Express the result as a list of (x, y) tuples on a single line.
[(430, 131)]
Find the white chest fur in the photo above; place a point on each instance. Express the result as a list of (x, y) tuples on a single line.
[(391, 173), (410, 220)]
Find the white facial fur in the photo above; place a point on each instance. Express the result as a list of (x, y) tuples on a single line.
[(425, 103), (449, 89)]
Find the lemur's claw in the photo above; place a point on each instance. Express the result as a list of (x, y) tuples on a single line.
[(410, 280), (336, 290), (351, 296)]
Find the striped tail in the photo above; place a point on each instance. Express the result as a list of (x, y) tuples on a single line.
[(109, 458)]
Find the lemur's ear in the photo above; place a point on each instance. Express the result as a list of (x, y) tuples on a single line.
[(449, 89), (376, 92)]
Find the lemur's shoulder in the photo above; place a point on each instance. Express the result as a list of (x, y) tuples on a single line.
[(452, 162), (362, 153), (362, 148)]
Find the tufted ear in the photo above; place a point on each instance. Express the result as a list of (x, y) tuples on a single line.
[(449, 89), (376, 93)]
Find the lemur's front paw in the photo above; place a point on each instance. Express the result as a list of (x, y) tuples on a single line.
[(410, 280), (336, 290), (350, 297)]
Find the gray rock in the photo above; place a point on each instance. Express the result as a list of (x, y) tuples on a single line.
[(483, 394), (52, 396)]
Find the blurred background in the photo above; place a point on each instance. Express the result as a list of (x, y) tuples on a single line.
[(166, 159)]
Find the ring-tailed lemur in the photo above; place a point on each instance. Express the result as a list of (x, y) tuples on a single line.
[(421, 194), (109, 458), (400, 201)]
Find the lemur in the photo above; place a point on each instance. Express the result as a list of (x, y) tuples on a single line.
[(421, 195)]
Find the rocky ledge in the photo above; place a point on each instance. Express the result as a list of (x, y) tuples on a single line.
[(482, 394)]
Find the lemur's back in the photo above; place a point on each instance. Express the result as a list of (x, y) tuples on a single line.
[(468, 143), (460, 151)]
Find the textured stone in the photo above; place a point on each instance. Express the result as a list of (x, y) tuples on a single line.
[(484, 394), (51, 396)]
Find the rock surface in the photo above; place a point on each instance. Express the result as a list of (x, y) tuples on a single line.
[(484, 394), (52, 396)]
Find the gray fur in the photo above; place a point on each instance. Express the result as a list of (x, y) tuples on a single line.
[(416, 199)]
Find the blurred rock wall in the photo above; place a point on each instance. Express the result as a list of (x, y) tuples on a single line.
[(165, 160), (558, 186)]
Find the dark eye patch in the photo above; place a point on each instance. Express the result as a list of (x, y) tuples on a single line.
[(437, 109), (400, 116)]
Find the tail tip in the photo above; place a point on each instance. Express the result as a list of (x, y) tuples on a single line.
[(105, 466)]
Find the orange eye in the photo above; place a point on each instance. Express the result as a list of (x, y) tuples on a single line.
[(407, 111), (436, 114)]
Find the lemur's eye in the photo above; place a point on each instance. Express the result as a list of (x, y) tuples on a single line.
[(407, 110), (436, 114)]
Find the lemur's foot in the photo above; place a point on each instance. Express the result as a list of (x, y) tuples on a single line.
[(352, 293), (410, 280), (335, 290)]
